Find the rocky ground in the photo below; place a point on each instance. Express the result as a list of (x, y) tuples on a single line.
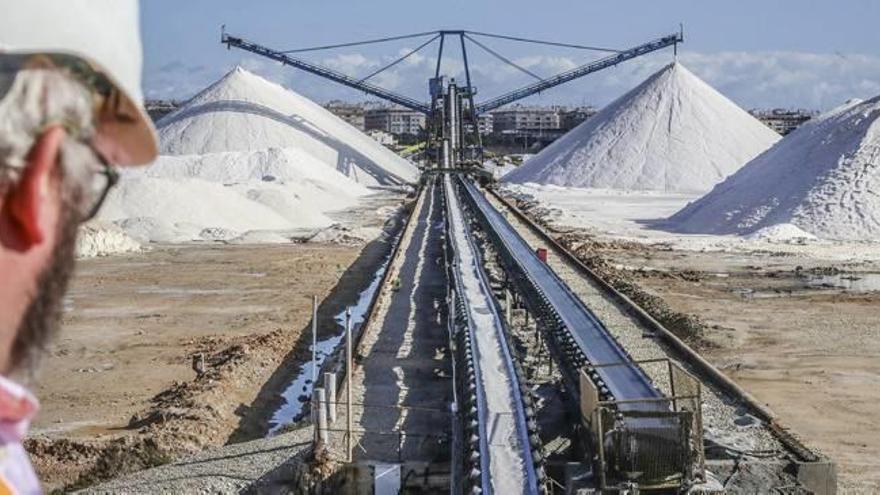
[(798, 332), (118, 388)]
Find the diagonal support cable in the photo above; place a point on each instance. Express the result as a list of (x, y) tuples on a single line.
[(577, 72), (401, 59), (544, 42), (503, 58), (357, 43)]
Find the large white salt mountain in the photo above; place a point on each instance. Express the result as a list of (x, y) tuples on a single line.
[(823, 178), (246, 113), (672, 133), (248, 161)]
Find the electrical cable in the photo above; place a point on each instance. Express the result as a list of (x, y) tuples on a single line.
[(750, 453)]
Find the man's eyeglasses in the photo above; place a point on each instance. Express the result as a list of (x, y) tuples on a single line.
[(98, 189)]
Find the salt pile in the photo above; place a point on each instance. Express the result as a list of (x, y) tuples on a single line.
[(672, 133), (249, 161), (244, 112), (181, 210), (97, 239), (823, 179)]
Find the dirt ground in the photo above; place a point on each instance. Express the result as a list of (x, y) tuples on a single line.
[(118, 386), (777, 326), (121, 371)]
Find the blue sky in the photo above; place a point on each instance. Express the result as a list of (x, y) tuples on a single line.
[(782, 53)]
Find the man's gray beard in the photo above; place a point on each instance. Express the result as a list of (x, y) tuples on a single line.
[(43, 316)]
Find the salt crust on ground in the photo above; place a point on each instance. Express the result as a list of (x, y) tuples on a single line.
[(249, 161), (823, 178), (672, 133), (782, 232), (630, 215)]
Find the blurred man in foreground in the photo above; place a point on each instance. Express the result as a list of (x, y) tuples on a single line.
[(70, 110)]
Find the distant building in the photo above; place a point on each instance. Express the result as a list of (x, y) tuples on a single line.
[(571, 118), (157, 109), (353, 113), (485, 124), (394, 120), (382, 137), (522, 119), (782, 120)]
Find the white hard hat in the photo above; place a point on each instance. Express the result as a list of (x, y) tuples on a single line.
[(105, 34)]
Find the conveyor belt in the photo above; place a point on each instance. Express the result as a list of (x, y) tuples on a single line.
[(624, 382), (506, 463)]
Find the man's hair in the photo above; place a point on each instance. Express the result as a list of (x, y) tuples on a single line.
[(36, 99)]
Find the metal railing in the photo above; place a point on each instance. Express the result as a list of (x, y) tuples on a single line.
[(391, 444)]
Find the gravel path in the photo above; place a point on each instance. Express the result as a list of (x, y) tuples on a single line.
[(265, 465), (401, 385)]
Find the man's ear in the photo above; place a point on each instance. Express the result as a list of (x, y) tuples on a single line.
[(27, 202)]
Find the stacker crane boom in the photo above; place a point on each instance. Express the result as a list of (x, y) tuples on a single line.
[(327, 73), (452, 107)]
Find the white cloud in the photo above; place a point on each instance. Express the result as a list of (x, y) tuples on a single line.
[(350, 63), (547, 66), (416, 59), (786, 79)]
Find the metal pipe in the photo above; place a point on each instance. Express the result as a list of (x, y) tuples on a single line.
[(314, 340), (508, 309), (330, 386), (321, 404), (453, 122), (348, 383)]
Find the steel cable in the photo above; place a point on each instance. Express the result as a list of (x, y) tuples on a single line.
[(357, 43)]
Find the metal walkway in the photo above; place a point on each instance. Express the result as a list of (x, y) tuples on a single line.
[(403, 379)]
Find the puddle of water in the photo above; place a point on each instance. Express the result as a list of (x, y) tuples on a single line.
[(861, 282), (747, 293), (300, 389), (852, 282), (67, 304)]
